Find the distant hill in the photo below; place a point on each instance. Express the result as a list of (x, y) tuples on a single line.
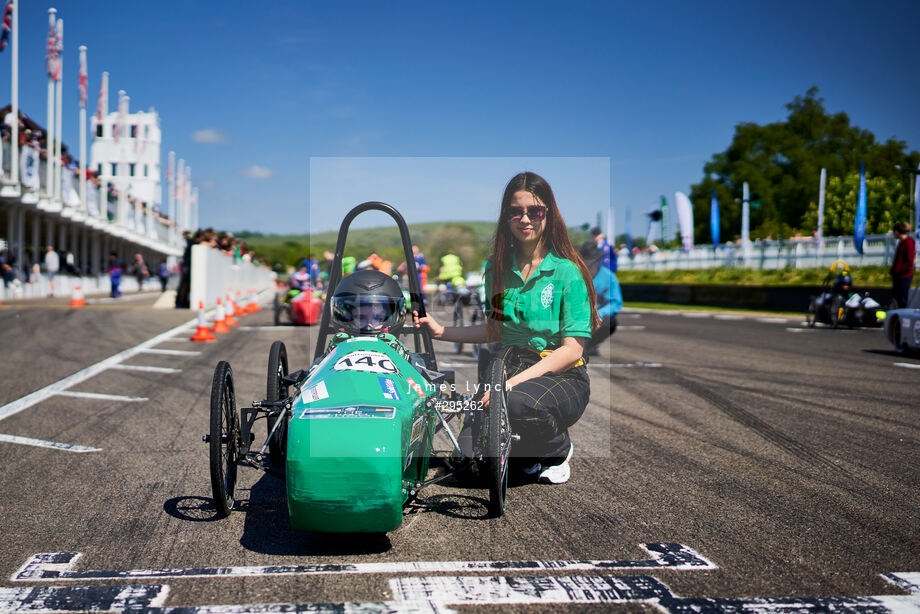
[(471, 241)]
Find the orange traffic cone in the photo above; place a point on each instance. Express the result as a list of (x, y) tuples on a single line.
[(253, 305), (229, 319), (202, 334), (77, 298), (220, 321), (238, 309)]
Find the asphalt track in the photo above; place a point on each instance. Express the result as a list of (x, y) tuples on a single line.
[(788, 458)]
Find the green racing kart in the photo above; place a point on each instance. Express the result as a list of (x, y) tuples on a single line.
[(353, 436)]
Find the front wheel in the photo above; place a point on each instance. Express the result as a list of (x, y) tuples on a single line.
[(224, 439), (498, 439), (458, 322), (276, 390)]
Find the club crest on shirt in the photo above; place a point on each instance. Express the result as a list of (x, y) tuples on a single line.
[(546, 297)]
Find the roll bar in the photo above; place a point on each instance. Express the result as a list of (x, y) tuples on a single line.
[(416, 296)]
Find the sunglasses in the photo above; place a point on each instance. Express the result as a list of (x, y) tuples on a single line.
[(535, 213)]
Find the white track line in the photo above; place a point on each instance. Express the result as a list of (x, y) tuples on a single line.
[(101, 397), (171, 352), (728, 316), (264, 327), (40, 395), (696, 314), (800, 330), (145, 368), (631, 327), (41, 443), (773, 320), (625, 365), (907, 365)]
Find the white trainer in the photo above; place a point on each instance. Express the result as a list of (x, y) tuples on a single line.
[(558, 474)]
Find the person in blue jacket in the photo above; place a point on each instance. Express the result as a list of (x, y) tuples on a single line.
[(609, 296)]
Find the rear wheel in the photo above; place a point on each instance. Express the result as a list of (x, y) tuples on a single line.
[(277, 309), (276, 390), (498, 439), (224, 439), (458, 321), (810, 313)]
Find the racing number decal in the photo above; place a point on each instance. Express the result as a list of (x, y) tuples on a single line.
[(372, 362)]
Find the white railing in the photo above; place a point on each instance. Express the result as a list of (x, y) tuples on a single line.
[(765, 254)]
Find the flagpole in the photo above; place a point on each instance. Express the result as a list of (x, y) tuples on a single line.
[(745, 222), (14, 94), (83, 129), (49, 127), (180, 211), (171, 196), (58, 141), (820, 229), (187, 189)]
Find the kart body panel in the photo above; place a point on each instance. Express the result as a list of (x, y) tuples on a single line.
[(902, 329), (359, 439)]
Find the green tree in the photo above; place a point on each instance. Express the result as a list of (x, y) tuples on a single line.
[(887, 201), (782, 163)]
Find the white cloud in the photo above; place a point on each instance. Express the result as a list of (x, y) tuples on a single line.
[(257, 172), (209, 135)]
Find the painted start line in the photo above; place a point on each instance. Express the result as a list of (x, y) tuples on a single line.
[(435, 594)]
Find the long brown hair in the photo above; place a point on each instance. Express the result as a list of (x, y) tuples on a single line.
[(555, 237)]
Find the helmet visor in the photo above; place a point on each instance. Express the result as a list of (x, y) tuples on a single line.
[(367, 314)]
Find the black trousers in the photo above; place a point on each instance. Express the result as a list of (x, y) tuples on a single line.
[(541, 409), (900, 289)]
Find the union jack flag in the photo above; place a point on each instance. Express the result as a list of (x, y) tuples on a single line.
[(59, 48), (83, 79), (7, 25), (103, 101), (51, 52)]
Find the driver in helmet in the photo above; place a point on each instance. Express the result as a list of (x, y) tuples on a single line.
[(368, 302)]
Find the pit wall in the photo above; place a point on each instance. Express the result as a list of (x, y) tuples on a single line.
[(215, 274)]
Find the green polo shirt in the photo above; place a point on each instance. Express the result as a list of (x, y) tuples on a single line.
[(552, 304)]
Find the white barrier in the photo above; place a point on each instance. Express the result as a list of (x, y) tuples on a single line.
[(214, 273), (766, 254)]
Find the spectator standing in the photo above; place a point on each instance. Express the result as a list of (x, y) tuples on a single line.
[(163, 275), (52, 266), (608, 253), (902, 265), (139, 270), (609, 296), (7, 267), (115, 274), (421, 265)]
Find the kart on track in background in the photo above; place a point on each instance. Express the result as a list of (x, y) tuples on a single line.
[(837, 305)]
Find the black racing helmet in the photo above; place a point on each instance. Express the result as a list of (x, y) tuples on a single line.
[(368, 302)]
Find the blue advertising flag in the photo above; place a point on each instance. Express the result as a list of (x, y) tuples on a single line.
[(859, 227), (714, 219)]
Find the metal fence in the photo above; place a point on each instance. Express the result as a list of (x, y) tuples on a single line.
[(765, 254)]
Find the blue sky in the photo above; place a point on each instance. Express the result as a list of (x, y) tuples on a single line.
[(655, 87)]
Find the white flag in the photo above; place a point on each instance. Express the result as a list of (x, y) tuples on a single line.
[(28, 168)]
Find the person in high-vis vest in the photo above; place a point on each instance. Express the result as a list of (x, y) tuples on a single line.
[(451, 267), (542, 308)]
